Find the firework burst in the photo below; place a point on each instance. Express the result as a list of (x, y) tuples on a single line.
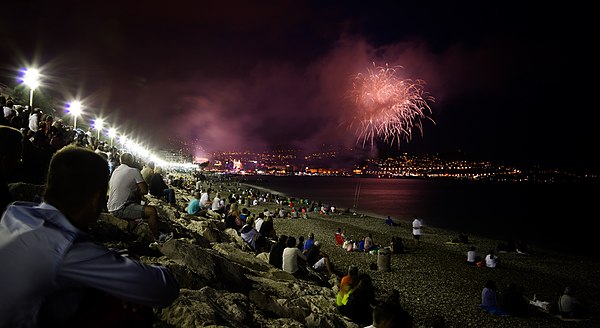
[(388, 107)]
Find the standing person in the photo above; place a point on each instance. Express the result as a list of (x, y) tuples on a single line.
[(417, 232), (11, 149), (57, 273), (291, 254), (126, 188)]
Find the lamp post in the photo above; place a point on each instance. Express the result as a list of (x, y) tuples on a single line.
[(98, 123), (31, 78), (112, 133), (75, 110)]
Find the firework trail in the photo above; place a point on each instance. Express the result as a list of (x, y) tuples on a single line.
[(388, 107)]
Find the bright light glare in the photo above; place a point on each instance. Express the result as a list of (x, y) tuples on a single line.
[(75, 108), (112, 133), (31, 78), (98, 124)]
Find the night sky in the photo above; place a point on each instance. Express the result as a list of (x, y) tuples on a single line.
[(511, 80)]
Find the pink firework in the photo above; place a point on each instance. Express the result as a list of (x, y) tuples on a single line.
[(388, 107)]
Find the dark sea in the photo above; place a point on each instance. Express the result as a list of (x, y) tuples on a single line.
[(554, 216)]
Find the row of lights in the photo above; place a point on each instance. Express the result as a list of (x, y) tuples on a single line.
[(31, 78)]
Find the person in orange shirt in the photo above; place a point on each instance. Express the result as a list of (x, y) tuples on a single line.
[(346, 284)]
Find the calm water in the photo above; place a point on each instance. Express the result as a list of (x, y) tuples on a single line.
[(554, 216)]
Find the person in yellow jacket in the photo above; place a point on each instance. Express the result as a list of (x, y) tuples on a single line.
[(346, 284)]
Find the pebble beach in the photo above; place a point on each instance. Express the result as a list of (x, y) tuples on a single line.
[(435, 285)]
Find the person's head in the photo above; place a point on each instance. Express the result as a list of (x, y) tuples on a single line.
[(353, 271), (150, 165), (282, 239), (196, 195), (127, 159), (491, 284), (568, 291), (233, 208), (311, 236), (291, 242), (250, 220), (472, 248), (11, 149), (76, 184), (158, 170), (390, 315), (317, 244)]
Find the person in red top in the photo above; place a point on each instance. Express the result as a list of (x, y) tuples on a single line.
[(339, 238)]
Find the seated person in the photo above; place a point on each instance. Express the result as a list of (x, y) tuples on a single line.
[(194, 207), (158, 187), (489, 298), (390, 314), (308, 243), (346, 284), (319, 260), (397, 245), (339, 238), (80, 282), (291, 255), (358, 306), (276, 253), (472, 256), (570, 307), (491, 260), (205, 201), (389, 221), (249, 233), (512, 301), (126, 188)]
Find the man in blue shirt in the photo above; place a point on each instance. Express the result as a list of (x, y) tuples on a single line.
[(308, 243), (51, 264)]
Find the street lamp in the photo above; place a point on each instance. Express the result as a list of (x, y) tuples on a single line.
[(31, 78), (112, 133), (98, 123), (75, 110)]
